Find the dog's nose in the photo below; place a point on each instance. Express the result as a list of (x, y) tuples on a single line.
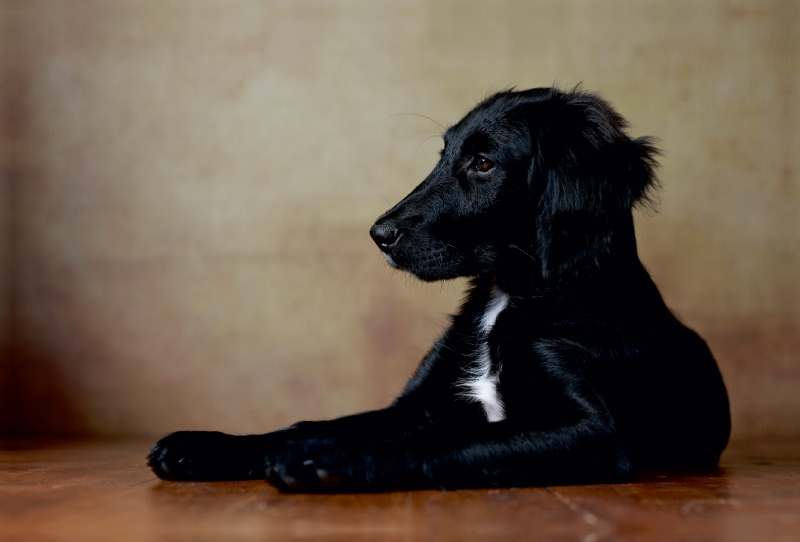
[(385, 236)]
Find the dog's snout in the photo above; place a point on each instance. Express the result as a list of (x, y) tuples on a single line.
[(384, 235)]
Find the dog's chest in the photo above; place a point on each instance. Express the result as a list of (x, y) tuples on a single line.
[(483, 373)]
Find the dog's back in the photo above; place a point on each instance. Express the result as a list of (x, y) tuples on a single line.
[(659, 380)]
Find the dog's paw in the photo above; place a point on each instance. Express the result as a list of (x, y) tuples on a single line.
[(293, 467), (331, 465), (186, 455), (205, 455)]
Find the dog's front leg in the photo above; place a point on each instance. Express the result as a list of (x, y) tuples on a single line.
[(568, 439), (452, 456), (211, 455), (207, 455)]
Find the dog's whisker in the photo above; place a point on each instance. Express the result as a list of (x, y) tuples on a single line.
[(423, 142), (417, 115), (525, 253)]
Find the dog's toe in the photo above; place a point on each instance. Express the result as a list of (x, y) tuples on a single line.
[(289, 480), (167, 466), (182, 456), (294, 484)]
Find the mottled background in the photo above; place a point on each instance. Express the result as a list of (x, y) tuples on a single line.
[(188, 187)]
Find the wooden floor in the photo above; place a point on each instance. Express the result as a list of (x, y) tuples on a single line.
[(102, 490)]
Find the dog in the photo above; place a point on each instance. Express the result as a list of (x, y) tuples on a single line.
[(562, 366)]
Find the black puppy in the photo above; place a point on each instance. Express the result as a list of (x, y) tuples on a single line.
[(563, 365)]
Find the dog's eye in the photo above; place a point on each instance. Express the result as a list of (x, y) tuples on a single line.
[(481, 163)]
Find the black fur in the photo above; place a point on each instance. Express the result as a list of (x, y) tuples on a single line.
[(533, 196)]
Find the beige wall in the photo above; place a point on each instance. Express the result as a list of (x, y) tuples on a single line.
[(197, 179)]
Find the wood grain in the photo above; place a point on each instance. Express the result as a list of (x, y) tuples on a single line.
[(102, 490)]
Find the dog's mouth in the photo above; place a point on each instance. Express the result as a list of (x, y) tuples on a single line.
[(390, 261), (437, 248), (425, 256)]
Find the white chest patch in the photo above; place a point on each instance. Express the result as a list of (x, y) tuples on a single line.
[(481, 383)]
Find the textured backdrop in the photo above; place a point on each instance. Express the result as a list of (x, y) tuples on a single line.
[(189, 187)]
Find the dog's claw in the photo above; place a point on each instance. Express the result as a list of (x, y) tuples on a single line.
[(328, 479), (294, 484)]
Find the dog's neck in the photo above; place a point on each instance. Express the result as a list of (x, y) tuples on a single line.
[(521, 274)]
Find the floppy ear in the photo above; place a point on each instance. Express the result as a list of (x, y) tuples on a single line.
[(587, 175)]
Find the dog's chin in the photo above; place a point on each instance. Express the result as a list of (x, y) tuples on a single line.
[(435, 275), (426, 272)]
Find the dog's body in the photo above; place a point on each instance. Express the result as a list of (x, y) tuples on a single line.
[(563, 364)]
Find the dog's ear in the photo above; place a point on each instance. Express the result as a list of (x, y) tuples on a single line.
[(586, 174)]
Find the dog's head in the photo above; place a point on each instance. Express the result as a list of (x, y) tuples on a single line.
[(541, 176)]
